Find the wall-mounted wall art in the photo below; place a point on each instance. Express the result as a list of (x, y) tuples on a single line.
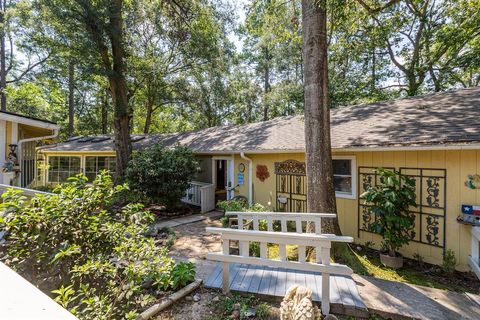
[(262, 172), (473, 181)]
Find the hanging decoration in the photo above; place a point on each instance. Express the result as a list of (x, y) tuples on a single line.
[(262, 172), (473, 181)]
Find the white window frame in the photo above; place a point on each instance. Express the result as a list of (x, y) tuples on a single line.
[(47, 172), (84, 163), (353, 168)]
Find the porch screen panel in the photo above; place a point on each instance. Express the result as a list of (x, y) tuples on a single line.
[(60, 168), (95, 164)]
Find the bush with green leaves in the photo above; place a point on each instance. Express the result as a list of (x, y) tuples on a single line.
[(162, 174), (390, 201), (449, 261), (240, 205), (99, 260)]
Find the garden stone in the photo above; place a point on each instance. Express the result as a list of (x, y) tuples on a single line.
[(216, 299), (236, 311), (330, 317), (196, 297), (189, 298), (251, 312)]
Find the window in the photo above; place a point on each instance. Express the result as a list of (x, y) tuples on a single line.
[(344, 177), (61, 168), (93, 166)]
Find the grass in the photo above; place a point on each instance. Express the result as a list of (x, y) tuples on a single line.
[(367, 262)]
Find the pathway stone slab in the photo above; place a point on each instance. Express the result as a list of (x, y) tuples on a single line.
[(175, 222), (404, 301)]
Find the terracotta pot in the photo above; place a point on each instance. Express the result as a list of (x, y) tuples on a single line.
[(391, 262)]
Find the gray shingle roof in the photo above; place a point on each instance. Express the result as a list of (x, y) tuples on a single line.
[(440, 118)]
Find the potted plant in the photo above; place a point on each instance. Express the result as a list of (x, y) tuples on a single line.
[(391, 201)]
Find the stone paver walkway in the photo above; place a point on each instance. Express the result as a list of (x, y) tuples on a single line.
[(175, 222), (405, 301), (386, 298)]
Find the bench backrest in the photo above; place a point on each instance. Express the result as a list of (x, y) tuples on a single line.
[(245, 218)]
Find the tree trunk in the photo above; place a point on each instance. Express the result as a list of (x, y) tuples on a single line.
[(3, 63), (71, 97), (105, 113), (320, 188), (148, 118), (266, 84), (119, 91)]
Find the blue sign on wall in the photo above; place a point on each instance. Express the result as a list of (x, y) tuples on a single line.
[(240, 179)]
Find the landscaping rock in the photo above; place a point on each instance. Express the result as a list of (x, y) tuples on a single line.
[(216, 299), (330, 317), (250, 313), (196, 297)]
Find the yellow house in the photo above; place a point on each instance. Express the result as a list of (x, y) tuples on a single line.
[(19, 136), (434, 139)]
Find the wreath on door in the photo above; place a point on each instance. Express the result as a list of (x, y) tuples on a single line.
[(262, 172)]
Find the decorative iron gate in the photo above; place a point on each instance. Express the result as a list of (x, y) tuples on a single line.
[(291, 186), (430, 214)]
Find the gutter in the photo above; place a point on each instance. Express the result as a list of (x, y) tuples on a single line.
[(250, 178), (56, 131)]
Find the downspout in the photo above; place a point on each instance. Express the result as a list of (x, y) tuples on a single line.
[(56, 131), (250, 178)]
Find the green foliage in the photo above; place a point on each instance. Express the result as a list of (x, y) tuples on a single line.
[(99, 260), (240, 205), (449, 261), (227, 305), (390, 202), (162, 174), (263, 311), (182, 274)]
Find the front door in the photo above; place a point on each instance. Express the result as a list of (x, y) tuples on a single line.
[(223, 179)]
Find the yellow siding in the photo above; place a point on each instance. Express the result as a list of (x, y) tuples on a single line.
[(458, 164), (8, 129)]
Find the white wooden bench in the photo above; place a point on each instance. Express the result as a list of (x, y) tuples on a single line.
[(322, 243)]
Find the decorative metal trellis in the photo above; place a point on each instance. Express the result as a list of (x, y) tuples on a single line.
[(430, 214), (291, 186)]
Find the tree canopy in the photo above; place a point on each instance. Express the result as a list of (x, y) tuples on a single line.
[(195, 64)]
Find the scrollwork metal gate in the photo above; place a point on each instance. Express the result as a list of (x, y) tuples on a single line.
[(430, 213), (291, 186)]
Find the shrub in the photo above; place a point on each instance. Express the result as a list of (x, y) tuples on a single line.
[(162, 174), (449, 261), (99, 260), (390, 202), (241, 205)]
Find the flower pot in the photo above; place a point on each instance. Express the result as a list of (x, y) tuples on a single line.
[(391, 262)]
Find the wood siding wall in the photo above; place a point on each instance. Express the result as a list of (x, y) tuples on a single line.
[(458, 163)]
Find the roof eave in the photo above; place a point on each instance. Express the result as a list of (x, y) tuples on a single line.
[(29, 121)]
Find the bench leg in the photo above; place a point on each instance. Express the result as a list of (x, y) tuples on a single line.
[(325, 293), (226, 278)]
